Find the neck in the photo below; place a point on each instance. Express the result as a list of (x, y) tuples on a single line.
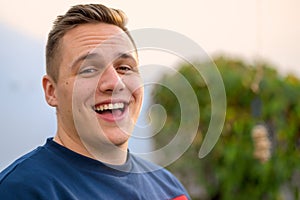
[(106, 153)]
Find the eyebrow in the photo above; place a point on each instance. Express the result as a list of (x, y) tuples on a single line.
[(126, 56), (88, 56), (91, 56)]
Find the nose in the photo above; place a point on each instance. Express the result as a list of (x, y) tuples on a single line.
[(110, 81)]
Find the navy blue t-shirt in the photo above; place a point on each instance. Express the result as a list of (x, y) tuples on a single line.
[(55, 172)]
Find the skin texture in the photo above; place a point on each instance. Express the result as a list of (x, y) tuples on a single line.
[(98, 66)]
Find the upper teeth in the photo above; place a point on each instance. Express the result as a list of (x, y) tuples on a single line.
[(110, 106)]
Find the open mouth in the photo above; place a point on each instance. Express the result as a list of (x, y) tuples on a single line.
[(111, 111)]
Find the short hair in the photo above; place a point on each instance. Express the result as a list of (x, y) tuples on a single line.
[(76, 15)]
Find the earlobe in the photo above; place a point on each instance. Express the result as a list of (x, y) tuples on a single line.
[(49, 87)]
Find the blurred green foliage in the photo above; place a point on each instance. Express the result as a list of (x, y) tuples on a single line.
[(230, 170)]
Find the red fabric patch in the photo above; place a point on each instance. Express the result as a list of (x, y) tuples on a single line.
[(181, 197)]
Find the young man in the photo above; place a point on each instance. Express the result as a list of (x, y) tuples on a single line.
[(93, 82)]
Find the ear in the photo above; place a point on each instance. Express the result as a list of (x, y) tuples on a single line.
[(49, 87)]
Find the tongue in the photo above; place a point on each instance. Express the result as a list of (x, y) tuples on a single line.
[(117, 112), (113, 113)]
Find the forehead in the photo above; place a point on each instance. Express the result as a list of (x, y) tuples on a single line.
[(105, 39)]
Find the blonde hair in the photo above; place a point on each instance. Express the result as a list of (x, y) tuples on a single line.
[(76, 15)]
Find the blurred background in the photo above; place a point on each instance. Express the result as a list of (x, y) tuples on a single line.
[(255, 45)]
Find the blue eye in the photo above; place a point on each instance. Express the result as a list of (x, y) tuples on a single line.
[(87, 71)]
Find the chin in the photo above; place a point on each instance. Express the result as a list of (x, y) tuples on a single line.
[(118, 137)]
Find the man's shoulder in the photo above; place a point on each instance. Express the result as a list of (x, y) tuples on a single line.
[(32, 165), (24, 174), (21, 167)]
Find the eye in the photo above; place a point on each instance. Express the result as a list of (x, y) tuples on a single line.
[(124, 69), (88, 70)]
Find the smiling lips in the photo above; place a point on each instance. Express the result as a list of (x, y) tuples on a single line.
[(111, 112)]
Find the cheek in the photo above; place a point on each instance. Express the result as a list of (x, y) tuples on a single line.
[(84, 91), (135, 84), (65, 92), (64, 100), (138, 95)]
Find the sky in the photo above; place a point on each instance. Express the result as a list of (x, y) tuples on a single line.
[(249, 29)]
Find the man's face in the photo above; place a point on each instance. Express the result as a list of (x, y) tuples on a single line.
[(99, 91)]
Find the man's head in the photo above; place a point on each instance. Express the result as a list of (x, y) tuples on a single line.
[(93, 78), (77, 15)]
